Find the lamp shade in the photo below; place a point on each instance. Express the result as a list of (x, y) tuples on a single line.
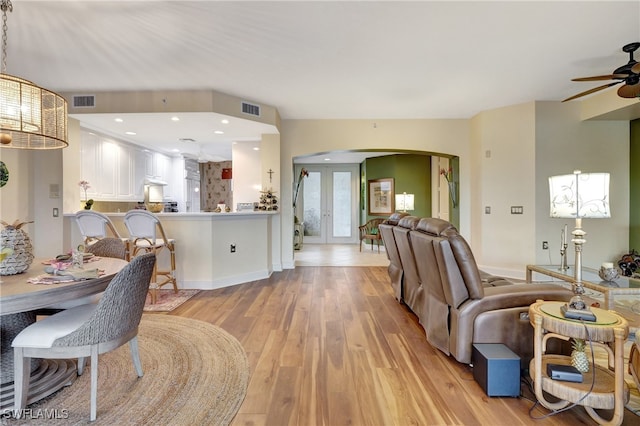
[(156, 193), (404, 202), (579, 195), (31, 117)]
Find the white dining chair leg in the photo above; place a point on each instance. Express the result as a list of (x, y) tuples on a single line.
[(94, 381), (135, 355), (20, 381)]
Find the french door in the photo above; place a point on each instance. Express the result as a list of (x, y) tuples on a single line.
[(330, 204)]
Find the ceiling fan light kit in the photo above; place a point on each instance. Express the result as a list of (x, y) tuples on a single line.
[(629, 74)]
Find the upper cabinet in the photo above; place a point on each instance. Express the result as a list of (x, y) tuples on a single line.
[(116, 170)]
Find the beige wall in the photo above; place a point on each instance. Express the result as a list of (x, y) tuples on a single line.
[(506, 156), (503, 175), (303, 137), (27, 197), (564, 143), (528, 143)]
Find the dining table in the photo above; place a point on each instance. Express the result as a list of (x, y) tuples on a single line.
[(22, 296)]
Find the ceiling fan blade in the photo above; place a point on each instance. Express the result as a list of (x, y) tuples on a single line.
[(590, 91), (636, 68), (629, 91), (602, 77)]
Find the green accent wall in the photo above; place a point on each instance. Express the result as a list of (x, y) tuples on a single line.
[(411, 174), (634, 185)]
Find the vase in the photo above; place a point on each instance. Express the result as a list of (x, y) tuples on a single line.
[(452, 192)]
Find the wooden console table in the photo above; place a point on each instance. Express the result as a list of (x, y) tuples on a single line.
[(609, 331)]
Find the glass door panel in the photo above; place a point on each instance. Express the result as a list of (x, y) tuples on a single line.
[(341, 202), (329, 199)]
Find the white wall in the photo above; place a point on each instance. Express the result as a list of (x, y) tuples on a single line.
[(247, 172)]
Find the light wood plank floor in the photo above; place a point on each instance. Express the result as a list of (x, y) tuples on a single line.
[(329, 345)]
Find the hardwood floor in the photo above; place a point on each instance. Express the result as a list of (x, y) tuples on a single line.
[(329, 345)]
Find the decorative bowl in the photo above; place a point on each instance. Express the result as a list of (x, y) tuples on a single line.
[(608, 274)]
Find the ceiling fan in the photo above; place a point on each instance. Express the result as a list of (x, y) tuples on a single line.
[(629, 74)]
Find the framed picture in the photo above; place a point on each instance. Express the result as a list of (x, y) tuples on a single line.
[(381, 197)]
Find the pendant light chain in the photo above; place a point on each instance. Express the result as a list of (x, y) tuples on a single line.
[(5, 6)]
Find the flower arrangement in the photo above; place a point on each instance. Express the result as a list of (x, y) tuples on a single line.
[(448, 174), (88, 202), (303, 173)]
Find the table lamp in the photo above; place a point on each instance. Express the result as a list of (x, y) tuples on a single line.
[(155, 198), (404, 202), (577, 196)]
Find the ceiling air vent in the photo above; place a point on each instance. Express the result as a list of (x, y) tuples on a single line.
[(84, 101), (251, 109)]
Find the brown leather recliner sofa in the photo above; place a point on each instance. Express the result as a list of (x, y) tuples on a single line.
[(456, 303), (395, 265)]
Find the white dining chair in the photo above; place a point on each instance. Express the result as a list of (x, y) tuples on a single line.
[(87, 330)]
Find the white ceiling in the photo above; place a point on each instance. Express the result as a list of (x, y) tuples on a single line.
[(320, 60)]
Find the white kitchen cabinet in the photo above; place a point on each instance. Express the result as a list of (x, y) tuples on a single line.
[(116, 170), (139, 173), (108, 166), (126, 173)]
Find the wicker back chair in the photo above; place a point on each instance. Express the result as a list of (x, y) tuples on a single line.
[(109, 247), (87, 330), (94, 226), (370, 231)]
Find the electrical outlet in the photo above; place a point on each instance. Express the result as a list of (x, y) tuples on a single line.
[(232, 248), (545, 245)]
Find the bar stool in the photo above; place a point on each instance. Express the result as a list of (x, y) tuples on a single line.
[(94, 226), (144, 229)]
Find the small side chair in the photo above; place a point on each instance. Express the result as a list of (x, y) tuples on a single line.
[(87, 330), (370, 231)]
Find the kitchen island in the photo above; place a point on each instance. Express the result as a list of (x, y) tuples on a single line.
[(213, 250)]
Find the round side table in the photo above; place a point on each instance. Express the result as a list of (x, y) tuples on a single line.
[(609, 331)]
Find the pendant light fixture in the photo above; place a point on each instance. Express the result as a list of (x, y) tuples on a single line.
[(30, 117)]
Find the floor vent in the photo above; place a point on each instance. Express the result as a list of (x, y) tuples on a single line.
[(84, 101), (251, 109)]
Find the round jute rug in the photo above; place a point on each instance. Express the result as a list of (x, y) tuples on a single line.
[(195, 373)]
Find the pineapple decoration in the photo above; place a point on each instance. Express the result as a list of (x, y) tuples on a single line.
[(15, 238), (578, 356)]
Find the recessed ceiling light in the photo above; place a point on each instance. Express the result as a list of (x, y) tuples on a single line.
[(175, 118), (130, 133), (255, 148), (219, 132), (175, 150), (327, 159), (118, 120), (224, 121)]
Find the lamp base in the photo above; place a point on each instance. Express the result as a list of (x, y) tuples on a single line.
[(584, 314)]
